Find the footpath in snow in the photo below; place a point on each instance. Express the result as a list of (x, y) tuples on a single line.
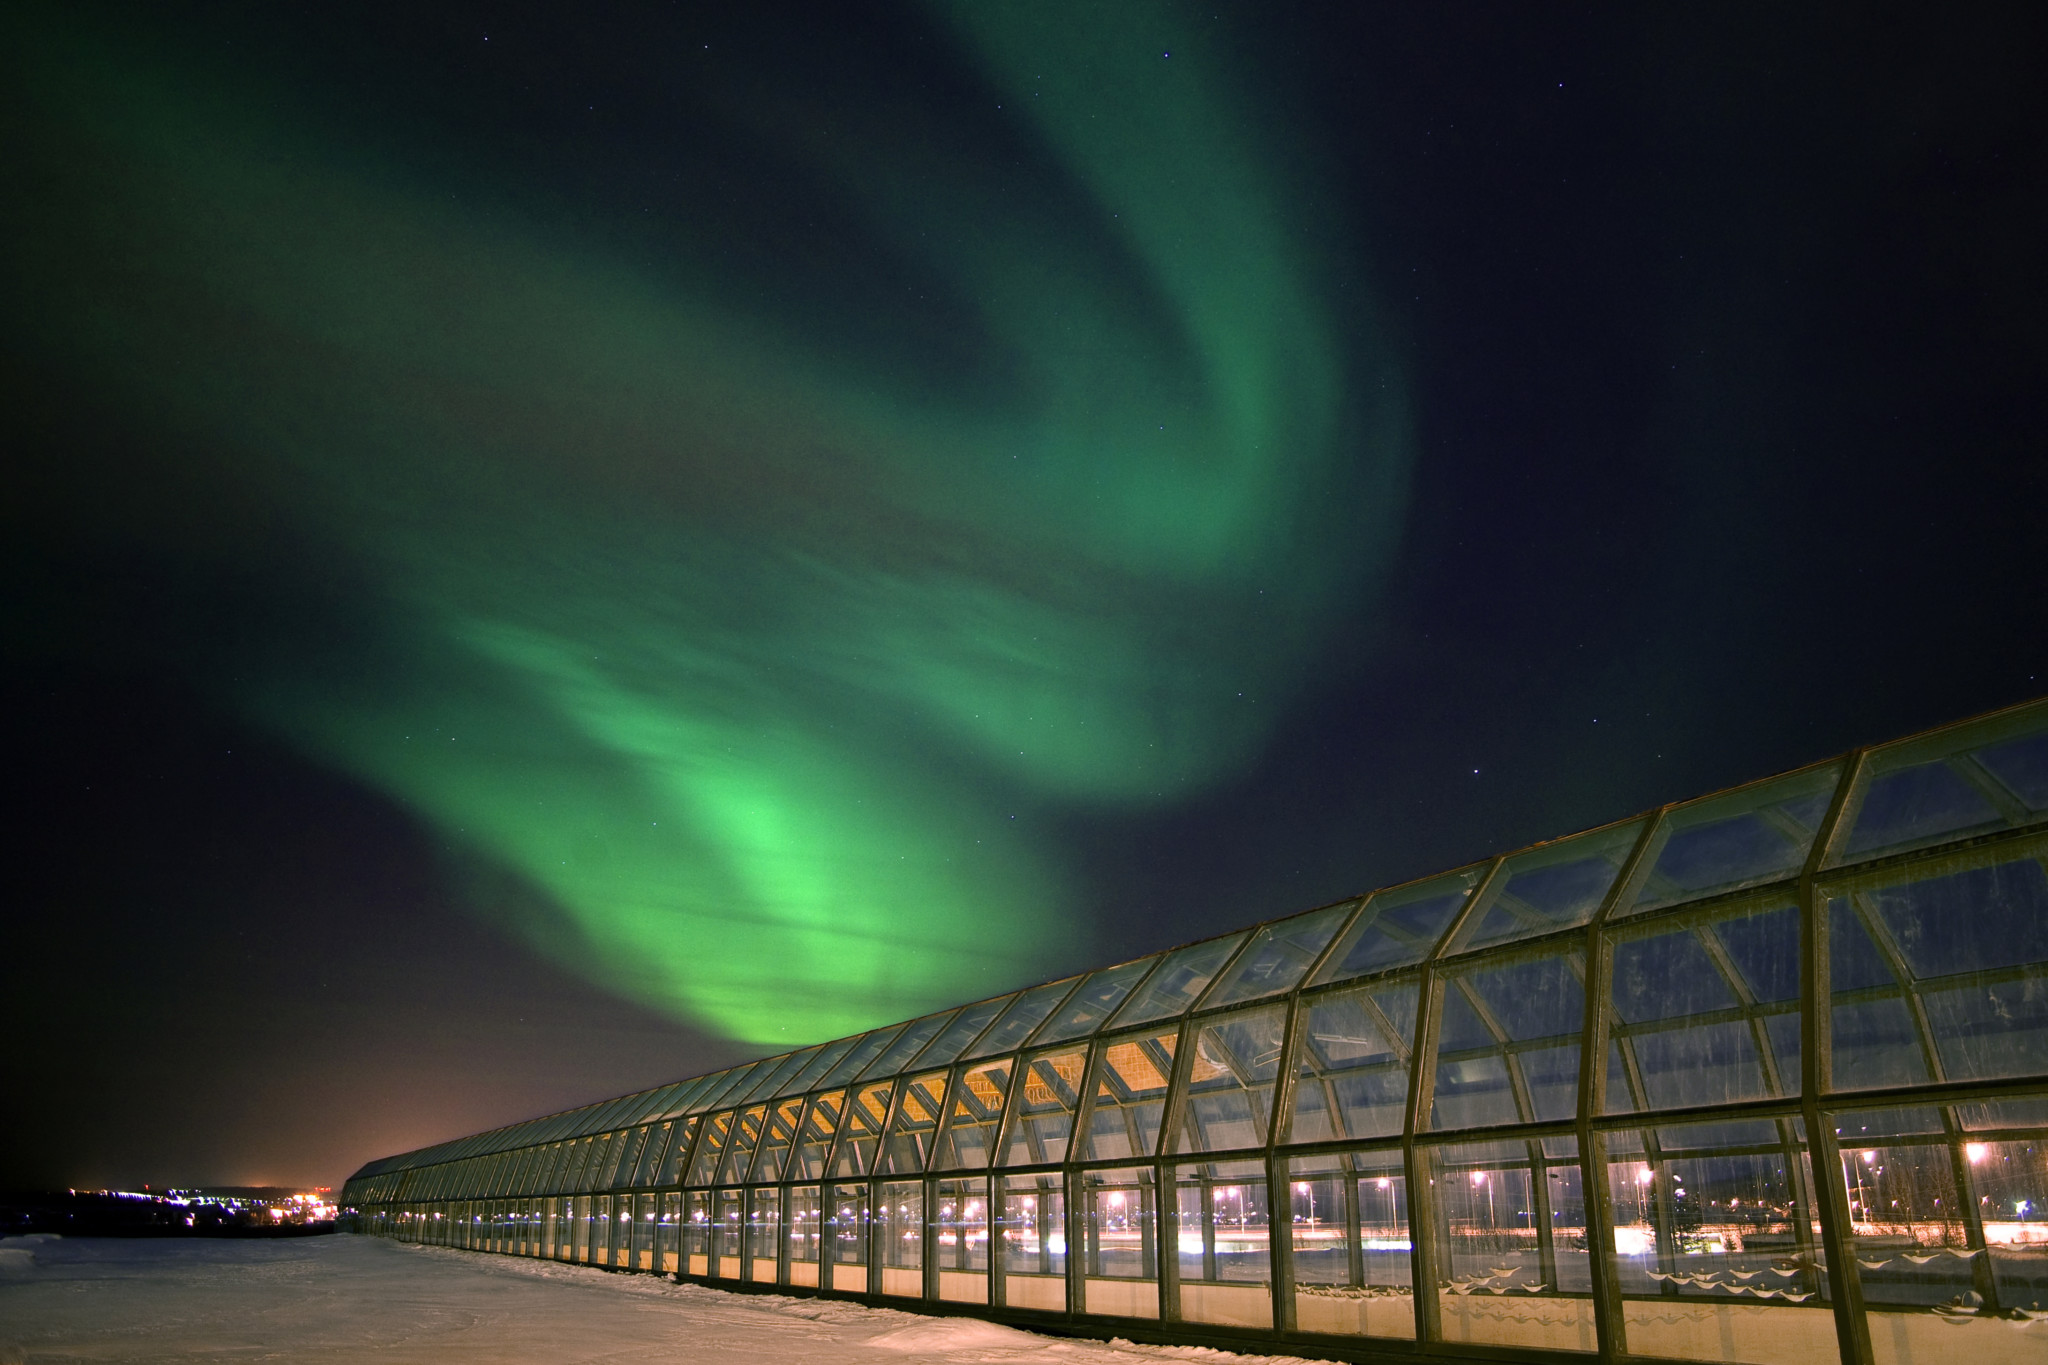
[(364, 1299)]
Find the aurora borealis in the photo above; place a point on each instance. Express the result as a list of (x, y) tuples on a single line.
[(740, 640), (551, 551)]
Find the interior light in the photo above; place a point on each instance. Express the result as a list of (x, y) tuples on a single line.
[(1975, 1151)]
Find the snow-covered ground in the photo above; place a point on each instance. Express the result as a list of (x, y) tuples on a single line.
[(363, 1299)]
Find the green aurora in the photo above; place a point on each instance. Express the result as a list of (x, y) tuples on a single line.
[(738, 640)]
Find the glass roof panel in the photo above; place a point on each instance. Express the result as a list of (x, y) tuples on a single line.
[(1550, 887), (965, 1028), (821, 1061), (735, 1084), (1968, 779), (1280, 955), (1179, 980), (1026, 1013), (773, 1072), (1094, 1000), (908, 1044), (1399, 927), (1759, 834), (862, 1053)]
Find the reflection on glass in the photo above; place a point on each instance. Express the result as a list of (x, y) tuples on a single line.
[(1348, 1223), (847, 1226), (1222, 1235), (1120, 1253), (806, 1230), (1718, 1250), (1034, 1242), (1511, 1255), (899, 1238), (763, 1235), (960, 1219)]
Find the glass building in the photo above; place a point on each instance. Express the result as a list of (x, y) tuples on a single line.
[(1760, 1077)]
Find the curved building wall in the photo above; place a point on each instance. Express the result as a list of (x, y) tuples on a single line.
[(1761, 1077)]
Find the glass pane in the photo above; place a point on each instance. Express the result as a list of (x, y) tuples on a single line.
[(731, 1084), (916, 1123), (1120, 1250), (2010, 1182), (1511, 1257), (806, 1228), (739, 1144), (1719, 1254), (710, 1148), (857, 1057), (1096, 999), (1349, 1225), (899, 1239), (977, 1109), (1989, 775), (1911, 1243), (1032, 1226), (653, 1156), (814, 1143), (1223, 1236), (628, 1159), (1352, 1072), (763, 1235), (1172, 989), (895, 1057), (1279, 955), (1758, 834), (783, 1118), (846, 1228), (1550, 887), (1971, 945), (1130, 1097), (1695, 1024), (860, 1128), (960, 1223), (1044, 1124), (821, 1061), (1508, 1045), (1230, 1083), (1399, 928), (1026, 1013), (773, 1073), (967, 1025)]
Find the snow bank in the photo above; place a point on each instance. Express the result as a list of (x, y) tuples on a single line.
[(957, 1334)]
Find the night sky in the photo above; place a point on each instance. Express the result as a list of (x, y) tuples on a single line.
[(549, 549)]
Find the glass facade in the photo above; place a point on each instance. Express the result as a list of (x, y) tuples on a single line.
[(1758, 1078)]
